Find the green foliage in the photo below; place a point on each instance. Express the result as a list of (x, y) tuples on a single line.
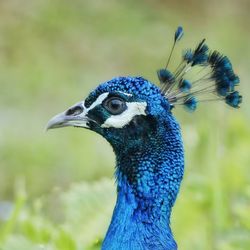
[(85, 211), (51, 54)]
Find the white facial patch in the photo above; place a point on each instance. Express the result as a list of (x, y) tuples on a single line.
[(80, 120), (98, 101), (119, 121), (127, 94)]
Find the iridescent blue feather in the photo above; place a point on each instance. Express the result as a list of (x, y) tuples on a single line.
[(217, 83), (178, 34)]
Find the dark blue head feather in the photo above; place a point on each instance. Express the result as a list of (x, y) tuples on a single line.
[(165, 76), (217, 83), (200, 55), (234, 99), (190, 103), (188, 55), (185, 85), (178, 34)]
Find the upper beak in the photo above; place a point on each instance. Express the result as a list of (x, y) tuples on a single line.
[(74, 116)]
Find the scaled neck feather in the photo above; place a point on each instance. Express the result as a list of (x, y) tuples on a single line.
[(148, 181)]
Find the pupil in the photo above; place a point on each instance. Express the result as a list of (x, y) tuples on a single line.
[(115, 104)]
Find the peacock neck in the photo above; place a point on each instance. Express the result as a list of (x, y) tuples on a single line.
[(148, 181)]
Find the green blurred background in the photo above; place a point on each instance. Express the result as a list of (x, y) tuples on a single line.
[(57, 189)]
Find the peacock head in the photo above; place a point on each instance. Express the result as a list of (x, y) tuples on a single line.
[(128, 110), (125, 110)]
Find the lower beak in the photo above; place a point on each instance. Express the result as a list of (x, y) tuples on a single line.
[(75, 116)]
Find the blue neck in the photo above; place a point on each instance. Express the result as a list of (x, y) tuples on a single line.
[(148, 180)]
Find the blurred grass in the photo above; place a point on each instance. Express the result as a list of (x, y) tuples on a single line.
[(52, 53)]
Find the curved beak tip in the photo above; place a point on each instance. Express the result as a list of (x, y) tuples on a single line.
[(74, 116), (64, 120), (56, 122), (47, 127)]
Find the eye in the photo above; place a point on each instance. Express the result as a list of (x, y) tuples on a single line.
[(115, 105)]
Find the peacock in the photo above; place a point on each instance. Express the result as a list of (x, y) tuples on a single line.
[(136, 117)]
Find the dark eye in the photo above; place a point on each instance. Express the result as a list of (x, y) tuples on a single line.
[(115, 105)]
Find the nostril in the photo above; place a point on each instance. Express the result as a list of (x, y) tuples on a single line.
[(75, 110)]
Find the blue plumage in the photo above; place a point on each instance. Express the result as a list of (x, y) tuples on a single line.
[(149, 169), (178, 34), (135, 117), (234, 99), (217, 83), (165, 76), (200, 55), (190, 103), (187, 55), (185, 85)]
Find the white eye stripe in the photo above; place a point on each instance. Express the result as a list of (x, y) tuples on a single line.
[(127, 94), (98, 101), (119, 121)]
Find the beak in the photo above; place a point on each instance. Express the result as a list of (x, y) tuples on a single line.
[(74, 116)]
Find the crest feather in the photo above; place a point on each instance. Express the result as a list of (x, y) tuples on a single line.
[(217, 79)]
